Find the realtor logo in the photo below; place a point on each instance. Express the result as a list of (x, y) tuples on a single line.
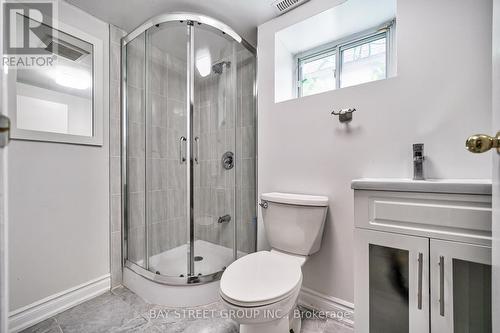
[(28, 31), (24, 31)]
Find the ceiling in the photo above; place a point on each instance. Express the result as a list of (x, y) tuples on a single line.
[(242, 15)]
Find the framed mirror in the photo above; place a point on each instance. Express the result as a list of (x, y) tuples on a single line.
[(61, 101)]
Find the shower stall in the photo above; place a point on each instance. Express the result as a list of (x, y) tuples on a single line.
[(188, 150)]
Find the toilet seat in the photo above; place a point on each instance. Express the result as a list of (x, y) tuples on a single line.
[(260, 278)]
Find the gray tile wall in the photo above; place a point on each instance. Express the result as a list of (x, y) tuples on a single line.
[(115, 155), (225, 122), (167, 181), (246, 181), (136, 151), (214, 125)]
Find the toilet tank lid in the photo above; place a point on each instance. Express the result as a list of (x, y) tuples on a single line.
[(295, 199)]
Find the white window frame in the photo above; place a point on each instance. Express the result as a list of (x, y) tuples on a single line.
[(337, 47), (98, 98)]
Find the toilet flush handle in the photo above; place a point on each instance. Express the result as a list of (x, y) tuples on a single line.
[(264, 204)]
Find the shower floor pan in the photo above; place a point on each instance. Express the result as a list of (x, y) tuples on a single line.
[(174, 263), (209, 258)]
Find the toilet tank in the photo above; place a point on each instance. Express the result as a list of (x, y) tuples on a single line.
[(294, 223)]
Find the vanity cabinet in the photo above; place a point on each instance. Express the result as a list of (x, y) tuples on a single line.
[(422, 259)]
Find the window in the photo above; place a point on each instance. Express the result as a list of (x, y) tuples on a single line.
[(364, 62), (318, 73), (350, 62)]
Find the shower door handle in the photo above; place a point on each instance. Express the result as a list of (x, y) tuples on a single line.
[(182, 157), (196, 157)]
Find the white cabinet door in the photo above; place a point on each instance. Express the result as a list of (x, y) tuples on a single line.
[(391, 283), (460, 287)]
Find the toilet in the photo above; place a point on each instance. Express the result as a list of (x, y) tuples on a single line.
[(260, 290)]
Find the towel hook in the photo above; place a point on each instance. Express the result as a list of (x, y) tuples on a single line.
[(345, 115)]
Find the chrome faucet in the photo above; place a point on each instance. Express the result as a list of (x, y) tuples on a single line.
[(418, 161)]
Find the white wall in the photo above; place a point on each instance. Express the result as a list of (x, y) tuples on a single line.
[(59, 204), (441, 95), (71, 115), (284, 85)]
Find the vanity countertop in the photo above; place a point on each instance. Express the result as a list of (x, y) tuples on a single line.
[(459, 186)]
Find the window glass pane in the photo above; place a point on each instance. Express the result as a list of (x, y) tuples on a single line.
[(364, 63), (388, 298), (471, 297), (318, 75)]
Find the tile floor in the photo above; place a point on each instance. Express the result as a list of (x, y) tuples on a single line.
[(123, 311)]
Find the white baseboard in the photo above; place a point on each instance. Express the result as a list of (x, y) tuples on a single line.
[(340, 310), (36, 312)]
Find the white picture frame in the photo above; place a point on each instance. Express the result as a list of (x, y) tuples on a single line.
[(97, 98)]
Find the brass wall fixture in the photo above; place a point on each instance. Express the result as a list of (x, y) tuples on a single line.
[(4, 131), (345, 115), (480, 143)]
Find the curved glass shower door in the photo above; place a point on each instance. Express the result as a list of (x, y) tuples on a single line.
[(214, 97), (224, 148), (189, 156), (167, 139)]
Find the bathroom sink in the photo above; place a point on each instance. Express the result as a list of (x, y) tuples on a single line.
[(463, 186)]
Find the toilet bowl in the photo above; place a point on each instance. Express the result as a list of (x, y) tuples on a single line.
[(260, 290)]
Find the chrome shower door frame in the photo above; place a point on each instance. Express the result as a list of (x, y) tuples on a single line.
[(190, 19), (190, 166)]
